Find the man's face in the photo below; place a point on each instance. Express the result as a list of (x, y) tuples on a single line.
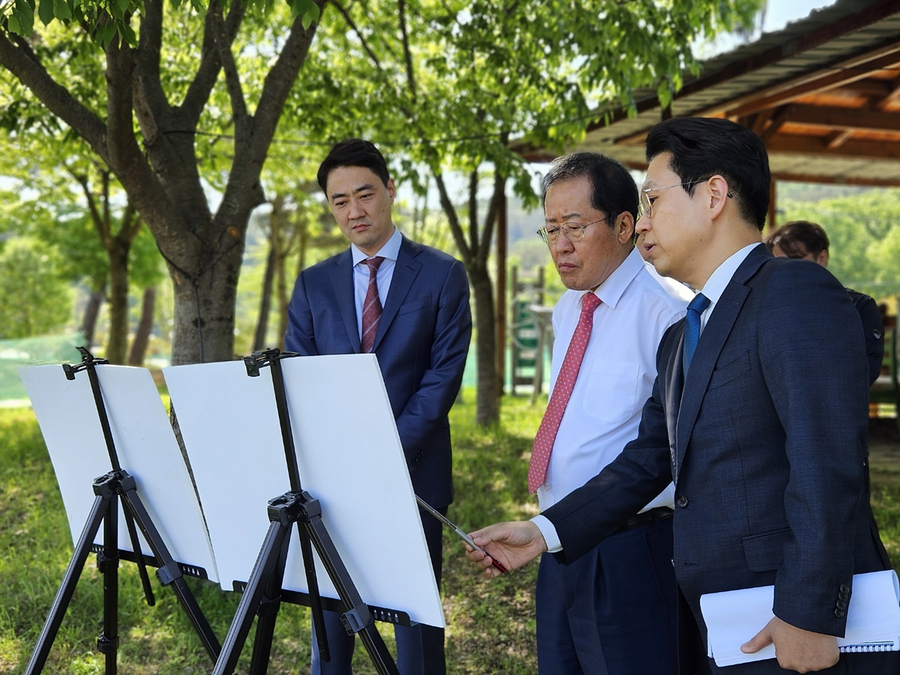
[(586, 264), (361, 205), (674, 237)]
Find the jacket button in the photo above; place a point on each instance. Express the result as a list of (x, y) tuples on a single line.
[(839, 613), (841, 604), (845, 588), (682, 502)]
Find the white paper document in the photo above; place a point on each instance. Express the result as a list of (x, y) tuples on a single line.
[(734, 617)]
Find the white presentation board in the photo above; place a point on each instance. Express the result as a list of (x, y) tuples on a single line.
[(145, 445), (350, 459)]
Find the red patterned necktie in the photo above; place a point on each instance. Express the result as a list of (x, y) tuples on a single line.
[(562, 390), (371, 306)]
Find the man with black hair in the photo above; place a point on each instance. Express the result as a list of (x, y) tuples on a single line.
[(804, 240), (409, 305), (758, 414), (597, 615)]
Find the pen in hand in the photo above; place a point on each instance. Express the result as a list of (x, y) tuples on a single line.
[(462, 535)]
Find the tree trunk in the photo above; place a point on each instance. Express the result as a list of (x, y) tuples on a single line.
[(265, 302), (144, 327), (204, 311), (91, 313), (117, 345), (487, 406)]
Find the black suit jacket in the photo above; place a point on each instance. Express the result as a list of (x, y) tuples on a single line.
[(421, 345)]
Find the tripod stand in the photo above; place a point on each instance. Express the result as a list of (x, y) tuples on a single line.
[(109, 489), (262, 594)]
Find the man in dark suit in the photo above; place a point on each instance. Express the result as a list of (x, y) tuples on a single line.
[(409, 304), (760, 422), (804, 240)]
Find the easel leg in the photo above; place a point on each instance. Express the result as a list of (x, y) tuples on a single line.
[(108, 564), (263, 568), (67, 587), (169, 573)]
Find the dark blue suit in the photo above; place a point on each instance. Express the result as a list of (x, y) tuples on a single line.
[(421, 345), (765, 439)]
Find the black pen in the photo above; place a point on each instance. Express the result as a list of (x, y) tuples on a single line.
[(462, 535)]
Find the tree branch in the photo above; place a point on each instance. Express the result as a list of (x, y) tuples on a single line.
[(455, 226), (407, 55), (26, 67)]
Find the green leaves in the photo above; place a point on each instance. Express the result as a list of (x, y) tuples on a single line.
[(306, 9)]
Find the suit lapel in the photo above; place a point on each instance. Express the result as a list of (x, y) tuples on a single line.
[(712, 340), (342, 283), (405, 272)]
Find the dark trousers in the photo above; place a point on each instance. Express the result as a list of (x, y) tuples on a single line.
[(420, 648), (613, 611)]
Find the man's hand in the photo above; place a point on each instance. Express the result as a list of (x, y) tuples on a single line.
[(795, 648), (510, 544)]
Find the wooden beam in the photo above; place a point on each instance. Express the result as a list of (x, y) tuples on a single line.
[(838, 139), (817, 147), (782, 115), (845, 118), (835, 180), (891, 96)]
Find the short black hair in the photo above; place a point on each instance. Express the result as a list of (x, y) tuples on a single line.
[(799, 237), (353, 152), (612, 188), (703, 147)]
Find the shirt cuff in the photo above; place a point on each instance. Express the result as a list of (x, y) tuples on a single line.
[(548, 531)]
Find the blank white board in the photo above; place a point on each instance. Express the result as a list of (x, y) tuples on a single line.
[(350, 459), (145, 446)]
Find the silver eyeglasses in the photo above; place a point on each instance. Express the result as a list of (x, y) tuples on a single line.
[(646, 206), (574, 232)]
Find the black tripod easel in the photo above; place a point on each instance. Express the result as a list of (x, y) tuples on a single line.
[(109, 489), (263, 591)]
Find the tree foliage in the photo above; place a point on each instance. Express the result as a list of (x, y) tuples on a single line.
[(34, 296)]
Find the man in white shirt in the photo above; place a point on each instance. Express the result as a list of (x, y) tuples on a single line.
[(599, 614), (759, 414)]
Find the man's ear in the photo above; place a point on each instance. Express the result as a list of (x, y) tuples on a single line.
[(718, 194), (624, 227), (391, 189)]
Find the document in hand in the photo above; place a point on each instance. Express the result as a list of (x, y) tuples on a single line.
[(873, 618)]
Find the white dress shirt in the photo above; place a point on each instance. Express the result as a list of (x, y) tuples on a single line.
[(616, 375), (389, 252)]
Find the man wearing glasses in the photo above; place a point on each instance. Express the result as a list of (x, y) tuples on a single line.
[(596, 615), (758, 414)]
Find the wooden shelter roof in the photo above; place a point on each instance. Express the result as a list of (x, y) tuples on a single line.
[(823, 93)]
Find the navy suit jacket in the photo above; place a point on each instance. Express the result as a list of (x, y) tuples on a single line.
[(765, 439), (421, 345)]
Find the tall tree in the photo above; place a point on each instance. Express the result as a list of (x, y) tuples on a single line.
[(160, 91)]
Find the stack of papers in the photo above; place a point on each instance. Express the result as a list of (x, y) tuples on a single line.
[(734, 617)]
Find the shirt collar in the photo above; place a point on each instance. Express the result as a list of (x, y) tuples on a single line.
[(615, 284), (390, 250), (718, 280)]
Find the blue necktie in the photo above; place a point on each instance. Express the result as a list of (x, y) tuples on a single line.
[(692, 327)]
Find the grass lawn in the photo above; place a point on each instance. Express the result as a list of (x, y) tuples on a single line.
[(490, 624)]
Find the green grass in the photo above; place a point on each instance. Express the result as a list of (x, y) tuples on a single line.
[(490, 624)]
